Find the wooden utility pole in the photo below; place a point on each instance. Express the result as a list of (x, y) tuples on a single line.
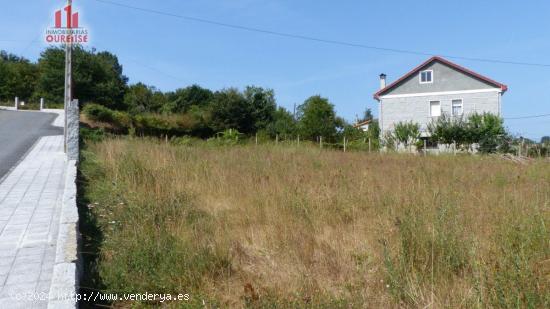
[(68, 67)]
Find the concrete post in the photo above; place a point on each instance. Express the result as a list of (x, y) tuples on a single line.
[(41, 103), (16, 102), (73, 121)]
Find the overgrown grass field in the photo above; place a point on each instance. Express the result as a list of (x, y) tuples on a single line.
[(284, 226)]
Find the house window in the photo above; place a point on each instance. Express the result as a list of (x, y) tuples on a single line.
[(426, 77), (458, 108), (435, 108)]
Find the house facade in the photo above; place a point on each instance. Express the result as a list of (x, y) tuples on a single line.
[(363, 125), (434, 88)]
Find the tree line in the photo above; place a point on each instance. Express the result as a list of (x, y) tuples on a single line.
[(102, 88)]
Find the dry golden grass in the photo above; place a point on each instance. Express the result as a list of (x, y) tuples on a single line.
[(268, 226)]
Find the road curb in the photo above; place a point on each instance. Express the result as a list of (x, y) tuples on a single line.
[(65, 277)]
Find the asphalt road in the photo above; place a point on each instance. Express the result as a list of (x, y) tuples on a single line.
[(18, 132)]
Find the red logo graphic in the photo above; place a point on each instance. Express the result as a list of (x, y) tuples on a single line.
[(72, 18), (67, 29)]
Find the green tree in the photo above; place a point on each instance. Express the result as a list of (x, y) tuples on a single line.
[(407, 133), (51, 78), (231, 110), (487, 130), (17, 77), (283, 124), (367, 115), (97, 77), (449, 130), (110, 82), (262, 102), (374, 130), (142, 98), (317, 118), (373, 134), (182, 100), (350, 132)]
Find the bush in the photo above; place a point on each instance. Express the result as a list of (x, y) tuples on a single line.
[(184, 141), (448, 130), (407, 133), (93, 135), (486, 130), (98, 113), (148, 124), (227, 137), (121, 121), (388, 141)]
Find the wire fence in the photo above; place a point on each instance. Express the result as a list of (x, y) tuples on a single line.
[(517, 147)]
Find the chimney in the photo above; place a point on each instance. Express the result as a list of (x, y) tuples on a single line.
[(382, 81)]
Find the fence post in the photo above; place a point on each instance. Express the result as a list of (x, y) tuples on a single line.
[(277, 139), (41, 103), (71, 139), (369, 145), (320, 142), (521, 147), (344, 144), (16, 103), (256, 138), (298, 140), (425, 147)]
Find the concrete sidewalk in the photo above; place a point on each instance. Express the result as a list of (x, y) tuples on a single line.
[(30, 208)]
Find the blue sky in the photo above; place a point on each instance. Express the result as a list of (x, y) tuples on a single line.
[(170, 53)]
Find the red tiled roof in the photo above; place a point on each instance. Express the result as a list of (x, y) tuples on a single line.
[(444, 61), (362, 123)]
